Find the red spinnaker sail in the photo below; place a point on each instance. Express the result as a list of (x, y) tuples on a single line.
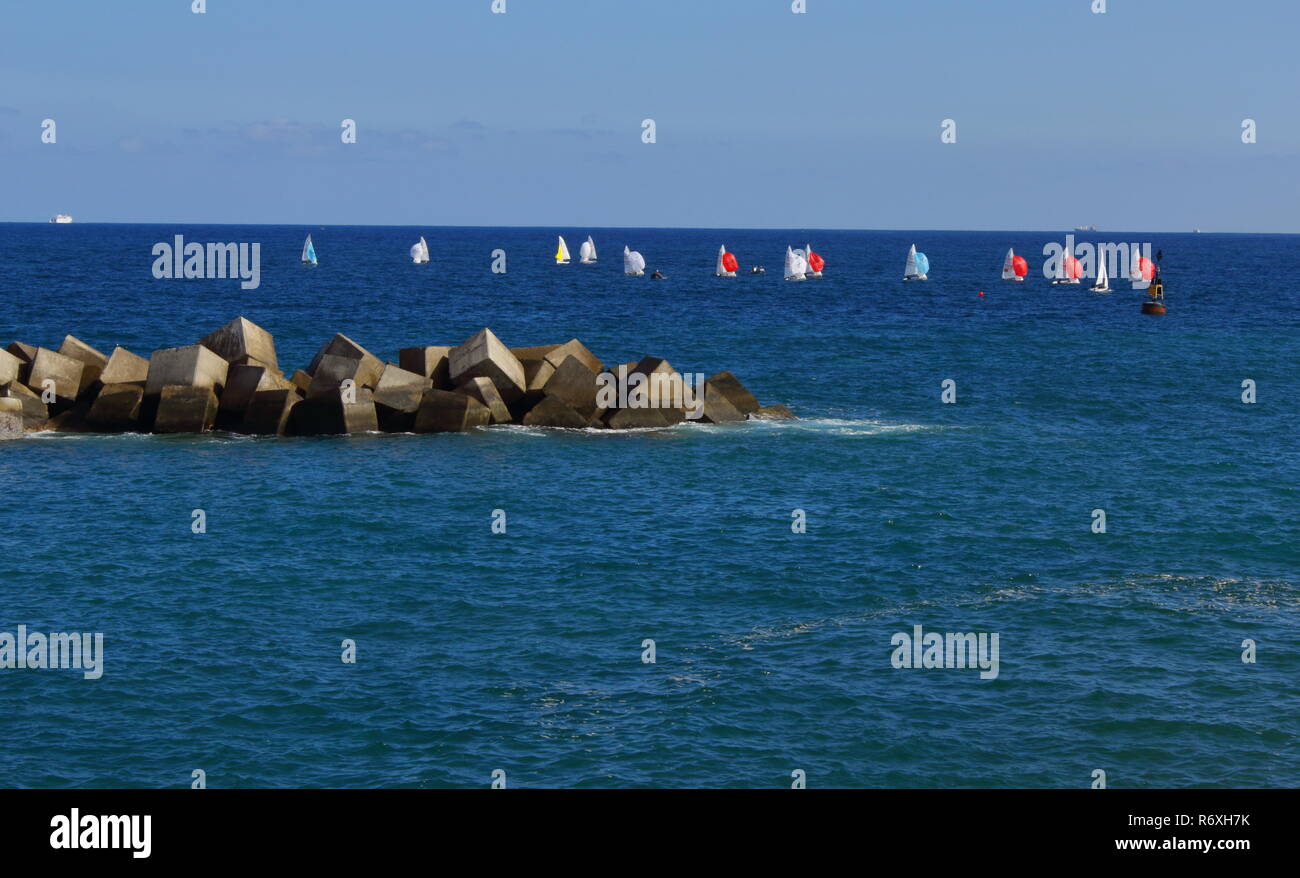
[(1020, 266), (1073, 268), (815, 262), (729, 262)]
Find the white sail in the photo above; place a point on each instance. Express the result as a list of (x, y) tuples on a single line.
[(721, 271), (910, 269), (796, 266), (420, 251), (633, 263), (1009, 267), (1102, 284), (562, 252), (587, 252)]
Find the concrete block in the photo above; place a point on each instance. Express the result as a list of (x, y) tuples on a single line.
[(486, 392), (270, 411), (301, 380), (773, 413), (9, 367), (242, 381), (431, 362), (11, 425), (484, 356), (735, 393), (397, 397), (341, 358), (554, 412), (574, 384), (443, 411), (192, 366), (93, 361), (632, 419), (116, 407), (184, 408), (35, 412), (718, 409), (65, 372), (327, 414), (575, 348), (125, 367), (241, 341)]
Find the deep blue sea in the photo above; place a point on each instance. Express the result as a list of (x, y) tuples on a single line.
[(1119, 651)]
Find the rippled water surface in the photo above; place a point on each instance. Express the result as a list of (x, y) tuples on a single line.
[(522, 652)]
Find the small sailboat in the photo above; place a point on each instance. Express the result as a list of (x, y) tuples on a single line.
[(917, 265), (308, 252), (420, 251), (796, 266), (727, 263), (633, 263), (1068, 271), (587, 252), (1015, 267), (61, 218), (815, 262), (562, 252), (1102, 283)]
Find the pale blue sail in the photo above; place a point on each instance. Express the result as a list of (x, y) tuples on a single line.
[(309, 252), (922, 264)]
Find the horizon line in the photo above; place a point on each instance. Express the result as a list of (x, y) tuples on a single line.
[(643, 228)]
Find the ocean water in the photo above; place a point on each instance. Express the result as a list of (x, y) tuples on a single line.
[(522, 651)]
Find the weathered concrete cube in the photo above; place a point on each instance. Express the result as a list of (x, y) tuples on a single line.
[(35, 412), (24, 352), (444, 411), (242, 381), (270, 412), (718, 409), (125, 367), (554, 412), (574, 384), (397, 397), (328, 414), (93, 361), (11, 419), (575, 348), (117, 407), (484, 356), (9, 367), (773, 413), (633, 419), (184, 408), (301, 380), (730, 387), (192, 366), (241, 341), (342, 346), (486, 392), (65, 372), (432, 362)]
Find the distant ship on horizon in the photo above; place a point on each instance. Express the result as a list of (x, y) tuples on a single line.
[(1085, 228), (60, 218)]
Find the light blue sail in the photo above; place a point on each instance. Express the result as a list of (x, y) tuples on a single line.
[(922, 264), (309, 252)]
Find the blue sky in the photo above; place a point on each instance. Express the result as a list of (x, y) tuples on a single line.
[(1129, 120)]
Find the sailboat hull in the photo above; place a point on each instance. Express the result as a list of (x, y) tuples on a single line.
[(1152, 308)]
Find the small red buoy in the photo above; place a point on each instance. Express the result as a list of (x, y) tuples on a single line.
[(981, 294)]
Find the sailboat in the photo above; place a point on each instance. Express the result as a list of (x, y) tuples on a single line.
[(308, 252), (727, 263), (815, 262), (420, 251), (917, 265), (633, 262), (796, 266), (1102, 283), (1068, 271), (587, 252), (562, 252), (1015, 267)]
